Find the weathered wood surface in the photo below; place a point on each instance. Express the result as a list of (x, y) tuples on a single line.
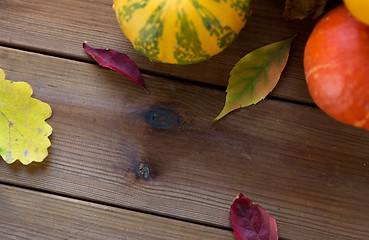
[(60, 27), (33, 215), (307, 170)]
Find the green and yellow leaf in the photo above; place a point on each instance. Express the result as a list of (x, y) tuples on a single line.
[(255, 76), (23, 130), (181, 31)]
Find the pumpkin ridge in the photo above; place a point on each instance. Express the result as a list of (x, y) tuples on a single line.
[(189, 46)]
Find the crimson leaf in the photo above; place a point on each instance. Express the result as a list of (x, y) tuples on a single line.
[(251, 222), (116, 61)]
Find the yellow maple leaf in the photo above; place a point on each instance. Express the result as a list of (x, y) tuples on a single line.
[(23, 130)]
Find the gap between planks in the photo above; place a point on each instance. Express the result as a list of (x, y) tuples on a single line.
[(143, 72), (42, 213), (102, 203), (65, 56)]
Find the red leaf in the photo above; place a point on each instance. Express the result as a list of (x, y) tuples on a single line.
[(116, 61), (251, 222)]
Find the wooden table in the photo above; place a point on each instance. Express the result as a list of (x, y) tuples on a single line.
[(310, 172)]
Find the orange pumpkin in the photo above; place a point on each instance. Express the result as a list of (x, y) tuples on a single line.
[(336, 63)]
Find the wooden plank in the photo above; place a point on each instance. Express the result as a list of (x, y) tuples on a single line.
[(309, 171), (60, 28), (27, 214)]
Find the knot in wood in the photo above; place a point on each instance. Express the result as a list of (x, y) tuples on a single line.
[(143, 170), (163, 118)]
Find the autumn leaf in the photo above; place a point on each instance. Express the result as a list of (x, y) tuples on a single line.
[(116, 61), (255, 75), (300, 9), (250, 221), (23, 130)]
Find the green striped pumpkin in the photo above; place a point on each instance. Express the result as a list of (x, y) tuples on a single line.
[(181, 31)]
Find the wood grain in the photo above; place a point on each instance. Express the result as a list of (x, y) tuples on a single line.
[(60, 27), (33, 215), (309, 171)]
